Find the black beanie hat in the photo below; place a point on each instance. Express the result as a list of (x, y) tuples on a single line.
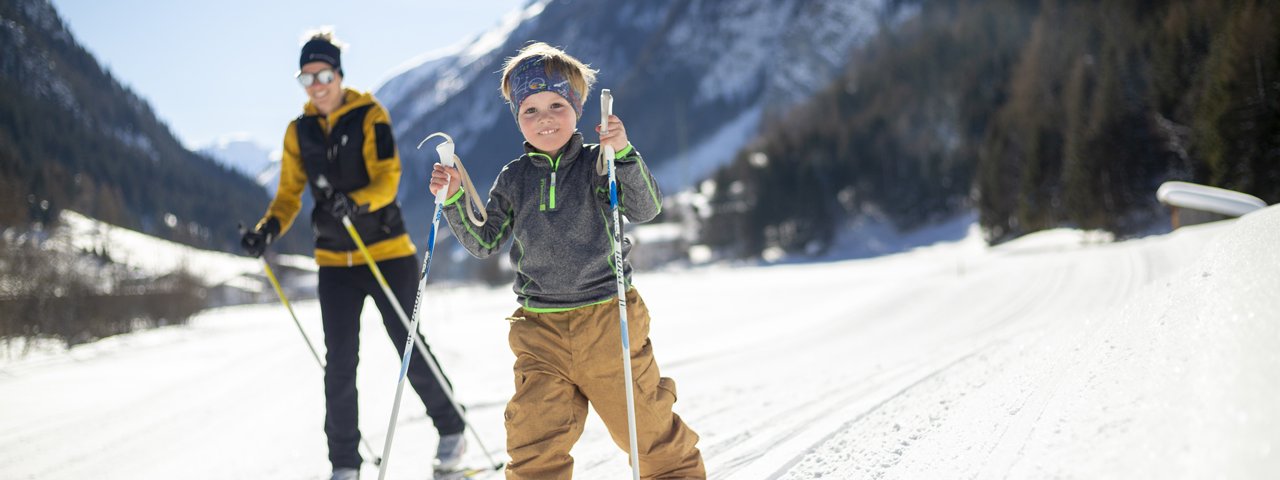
[(320, 50)]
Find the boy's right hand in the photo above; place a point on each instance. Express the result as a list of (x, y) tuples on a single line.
[(442, 175)]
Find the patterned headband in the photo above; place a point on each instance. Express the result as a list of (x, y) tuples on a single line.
[(531, 76)]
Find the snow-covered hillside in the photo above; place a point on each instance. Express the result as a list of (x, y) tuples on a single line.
[(692, 80), (155, 257), (248, 157), (1053, 356)]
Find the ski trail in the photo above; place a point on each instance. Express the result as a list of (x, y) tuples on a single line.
[(954, 361), (752, 449), (1044, 342)]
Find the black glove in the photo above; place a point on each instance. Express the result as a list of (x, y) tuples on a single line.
[(340, 205), (255, 241)]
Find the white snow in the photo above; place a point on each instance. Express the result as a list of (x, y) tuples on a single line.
[(449, 69), (717, 150), (155, 256), (1062, 355), (739, 43)]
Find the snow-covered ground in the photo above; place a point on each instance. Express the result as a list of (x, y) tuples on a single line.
[(154, 256), (1054, 356)]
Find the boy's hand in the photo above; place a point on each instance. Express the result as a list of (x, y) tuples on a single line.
[(442, 175), (617, 136)]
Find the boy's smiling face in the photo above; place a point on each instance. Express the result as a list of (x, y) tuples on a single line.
[(547, 121)]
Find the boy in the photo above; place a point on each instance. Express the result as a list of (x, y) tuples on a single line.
[(553, 201)]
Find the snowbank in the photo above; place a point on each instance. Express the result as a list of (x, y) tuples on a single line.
[(1179, 381)]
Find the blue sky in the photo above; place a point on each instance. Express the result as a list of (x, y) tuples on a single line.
[(213, 69)]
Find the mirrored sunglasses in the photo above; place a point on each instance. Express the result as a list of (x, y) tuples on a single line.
[(325, 77)]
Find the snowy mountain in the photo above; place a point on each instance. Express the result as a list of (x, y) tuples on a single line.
[(74, 137), (1055, 355), (263, 166), (246, 156), (691, 79)]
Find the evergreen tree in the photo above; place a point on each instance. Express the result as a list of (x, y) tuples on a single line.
[(1036, 114)]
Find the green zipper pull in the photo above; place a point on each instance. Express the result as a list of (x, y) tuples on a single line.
[(553, 190)]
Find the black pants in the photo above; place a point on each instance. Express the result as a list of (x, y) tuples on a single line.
[(342, 293)]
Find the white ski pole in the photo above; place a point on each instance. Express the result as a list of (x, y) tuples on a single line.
[(412, 327), (447, 157), (606, 110)]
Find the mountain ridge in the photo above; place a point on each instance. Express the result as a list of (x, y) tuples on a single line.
[(681, 73), (73, 136)]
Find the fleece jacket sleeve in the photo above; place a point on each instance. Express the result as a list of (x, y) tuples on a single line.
[(482, 240), (638, 191)]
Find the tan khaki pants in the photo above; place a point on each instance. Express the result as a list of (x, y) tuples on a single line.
[(565, 360)]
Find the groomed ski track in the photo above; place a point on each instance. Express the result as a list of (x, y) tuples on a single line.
[(1051, 356)]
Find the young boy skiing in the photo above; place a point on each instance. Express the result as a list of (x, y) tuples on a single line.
[(554, 202)]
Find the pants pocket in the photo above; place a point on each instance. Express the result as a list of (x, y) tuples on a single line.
[(544, 419)]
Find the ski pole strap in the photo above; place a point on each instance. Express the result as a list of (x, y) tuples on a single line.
[(468, 188), (602, 163), (468, 193), (603, 159)]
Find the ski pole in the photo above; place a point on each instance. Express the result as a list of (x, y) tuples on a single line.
[(310, 346), (606, 110), (445, 150), (386, 289)]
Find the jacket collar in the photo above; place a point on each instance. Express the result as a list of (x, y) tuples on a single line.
[(567, 155), (351, 99)]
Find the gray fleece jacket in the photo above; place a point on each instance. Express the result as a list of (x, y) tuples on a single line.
[(557, 210)]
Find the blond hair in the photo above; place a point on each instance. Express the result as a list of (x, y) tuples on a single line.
[(326, 33), (581, 76)]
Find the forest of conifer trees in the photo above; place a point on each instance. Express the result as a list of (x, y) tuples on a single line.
[(1034, 114), (73, 137)]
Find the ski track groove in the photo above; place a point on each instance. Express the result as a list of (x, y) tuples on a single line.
[(1029, 299), (915, 375), (1026, 301), (1140, 272), (956, 360)]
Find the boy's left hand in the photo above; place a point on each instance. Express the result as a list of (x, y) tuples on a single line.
[(617, 136)]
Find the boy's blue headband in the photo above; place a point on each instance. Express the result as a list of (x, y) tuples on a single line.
[(531, 76)]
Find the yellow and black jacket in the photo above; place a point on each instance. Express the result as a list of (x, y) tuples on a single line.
[(354, 150)]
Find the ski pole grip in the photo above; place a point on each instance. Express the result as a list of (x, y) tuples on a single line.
[(446, 151), (606, 109)]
